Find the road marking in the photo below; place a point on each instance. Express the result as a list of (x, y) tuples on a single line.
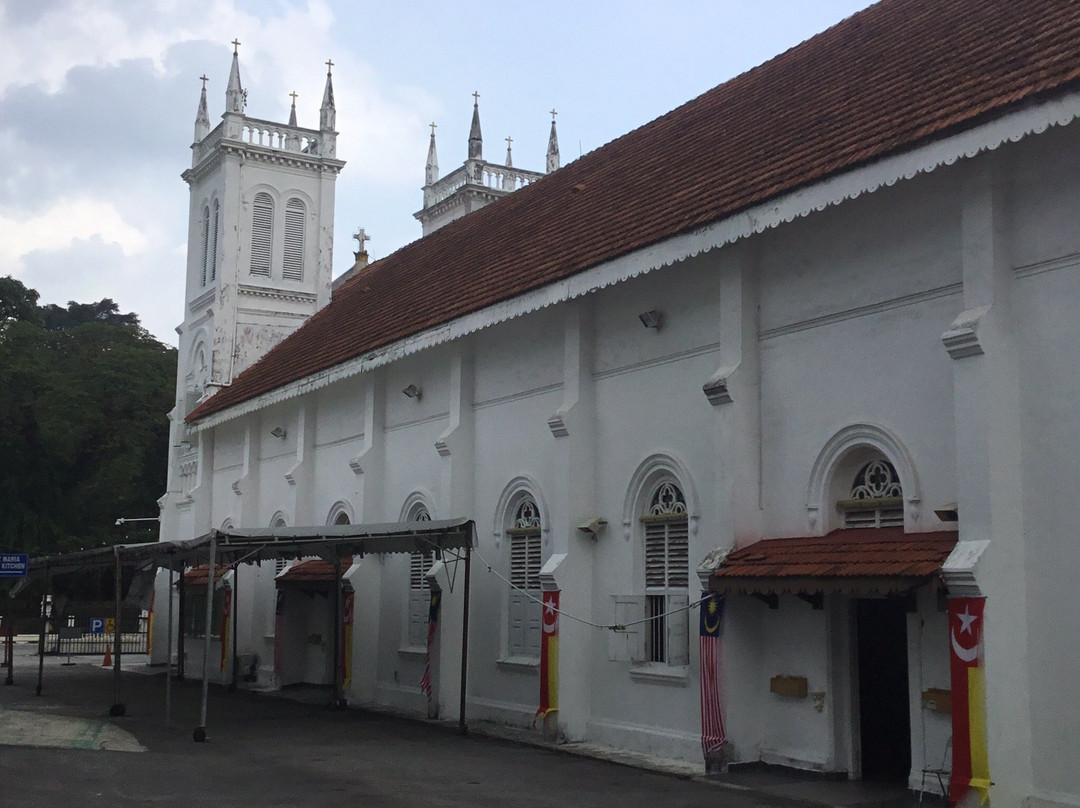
[(33, 728)]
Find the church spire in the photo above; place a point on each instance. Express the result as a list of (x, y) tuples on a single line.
[(235, 95), (509, 157), (292, 111), (431, 171), (202, 119), (553, 146), (327, 112), (476, 141)]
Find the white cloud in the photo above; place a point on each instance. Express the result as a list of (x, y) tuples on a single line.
[(62, 224)]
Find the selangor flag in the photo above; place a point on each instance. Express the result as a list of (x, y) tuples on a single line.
[(970, 765), (712, 719), (346, 640), (549, 656), (226, 608)]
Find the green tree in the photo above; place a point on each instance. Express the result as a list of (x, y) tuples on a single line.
[(83, 424)]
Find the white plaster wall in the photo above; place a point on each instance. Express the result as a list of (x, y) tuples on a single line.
[(1050, 388)]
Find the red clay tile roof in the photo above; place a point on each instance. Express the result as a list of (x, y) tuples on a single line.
[(196, 576), (311, 571), (859, 553), (882, 81)]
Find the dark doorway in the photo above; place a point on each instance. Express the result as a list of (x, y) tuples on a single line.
[(885, 735)]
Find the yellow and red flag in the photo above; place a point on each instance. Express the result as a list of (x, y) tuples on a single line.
[(549, 656), (970, 764)]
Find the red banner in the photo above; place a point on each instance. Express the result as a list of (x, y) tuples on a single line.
[(549, 656), (348, 599), (970, 767), (226, 613)]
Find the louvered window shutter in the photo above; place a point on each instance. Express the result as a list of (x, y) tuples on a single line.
[(678, 630), (292, 267), (213, 241), (205, 243), (418, 613), (262, 234)]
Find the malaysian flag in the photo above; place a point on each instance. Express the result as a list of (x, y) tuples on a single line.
[(432, 621), (712, 719)]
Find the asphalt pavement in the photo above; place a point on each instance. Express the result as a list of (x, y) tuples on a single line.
[(63, 749)]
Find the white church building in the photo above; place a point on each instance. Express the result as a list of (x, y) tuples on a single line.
[(809, 340)]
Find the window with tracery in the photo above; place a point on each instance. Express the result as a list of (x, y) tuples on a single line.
[(524, 536), (665, 527), (877, 498)]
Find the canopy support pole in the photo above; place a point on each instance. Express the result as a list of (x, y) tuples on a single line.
[(339, 642), (168, 653), (200, 731), (235, 613), (41, 630), (117, 708), (181, 623), (462, 727)]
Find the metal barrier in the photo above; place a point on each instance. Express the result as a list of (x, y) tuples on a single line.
[(76, 640)]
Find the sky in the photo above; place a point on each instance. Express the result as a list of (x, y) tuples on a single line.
[(98, 101)]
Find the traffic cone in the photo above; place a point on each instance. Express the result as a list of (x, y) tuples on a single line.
[(107, 663)]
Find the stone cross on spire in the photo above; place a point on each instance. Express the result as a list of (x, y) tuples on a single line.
[(553, 146), (431, 171), (328, 112), (235, 95), (292, 111), (509, 156), (476, 140), (202, 119), (361, 251)]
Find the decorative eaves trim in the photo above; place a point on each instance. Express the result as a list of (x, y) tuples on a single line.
[(797, 204)]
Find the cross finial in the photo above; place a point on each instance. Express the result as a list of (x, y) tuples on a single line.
[(476, 98), (361, 237), (509, 140), (235, 45), (432, 125), (203, 79), (329, 66), (293, 96), (553, 113)]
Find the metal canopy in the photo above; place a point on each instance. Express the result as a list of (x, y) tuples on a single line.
[(237, 546)]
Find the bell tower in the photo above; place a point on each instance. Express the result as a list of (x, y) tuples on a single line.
[(259, 256), (260, 234)]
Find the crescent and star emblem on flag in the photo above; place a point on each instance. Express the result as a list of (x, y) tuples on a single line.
[(551, 615), (962, 652), (712, 617)]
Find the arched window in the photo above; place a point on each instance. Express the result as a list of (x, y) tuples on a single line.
[(205, 245), (665, 529), (524, 535), (292, 267), (280, 563), (419, 594), (262, 234), (877, 499), (213, 241)]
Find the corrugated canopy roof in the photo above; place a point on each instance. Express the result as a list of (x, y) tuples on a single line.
[(883, 81), (250, 546)]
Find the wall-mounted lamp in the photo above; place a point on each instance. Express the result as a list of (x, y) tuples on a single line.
[(948, 513), (592, 527), (279, 432), (652, 319), (412, 391)]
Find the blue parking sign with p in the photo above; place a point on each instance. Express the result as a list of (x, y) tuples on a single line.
[(97, 625)]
